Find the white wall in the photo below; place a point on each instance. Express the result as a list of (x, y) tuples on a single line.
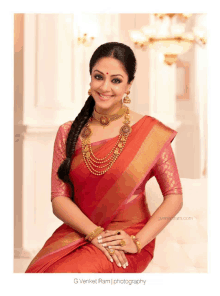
[(192, 138)]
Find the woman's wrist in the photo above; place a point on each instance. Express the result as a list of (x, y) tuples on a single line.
[(137, 242), (91, 227), (94, 233)]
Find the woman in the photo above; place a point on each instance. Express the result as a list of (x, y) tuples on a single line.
[(101, 163)]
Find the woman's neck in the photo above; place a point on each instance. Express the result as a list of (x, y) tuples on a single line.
[(112, 110)]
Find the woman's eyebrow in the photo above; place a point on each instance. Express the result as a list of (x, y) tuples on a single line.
[(111, 75)]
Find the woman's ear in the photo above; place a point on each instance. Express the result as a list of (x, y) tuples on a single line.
[(130, 84)]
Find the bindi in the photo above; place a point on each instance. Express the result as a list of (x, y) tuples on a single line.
[(107, 73)]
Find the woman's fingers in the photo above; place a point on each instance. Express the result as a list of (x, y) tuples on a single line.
[(107, 254), (118, 256), (104, 250), (124, 257), (120, 260)]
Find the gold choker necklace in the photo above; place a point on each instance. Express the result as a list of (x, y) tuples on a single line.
[(91, 161), (105, 119)]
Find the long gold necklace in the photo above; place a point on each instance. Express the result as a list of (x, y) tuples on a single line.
[(91, 161)]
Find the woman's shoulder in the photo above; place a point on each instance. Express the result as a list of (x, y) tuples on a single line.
[(160, 126), (137, 117), (65, 127), (151, 119), (67, 124)]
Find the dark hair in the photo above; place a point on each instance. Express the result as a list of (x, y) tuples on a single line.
[(125, 55)]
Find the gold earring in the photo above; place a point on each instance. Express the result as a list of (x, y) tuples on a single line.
[(89, 92), (127, 100)]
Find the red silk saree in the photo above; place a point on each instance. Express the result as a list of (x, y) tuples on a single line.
[(115, 200)]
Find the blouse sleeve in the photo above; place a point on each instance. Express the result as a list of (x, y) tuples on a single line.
[(166, 172), (58, 187)]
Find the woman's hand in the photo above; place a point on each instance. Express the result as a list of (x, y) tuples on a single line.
[(119, 256), (109, 238)]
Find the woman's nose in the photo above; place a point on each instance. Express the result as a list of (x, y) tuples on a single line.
[(106, 85)]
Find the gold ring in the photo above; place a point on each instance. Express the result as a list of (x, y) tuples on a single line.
[(111, 251), (122, 243)]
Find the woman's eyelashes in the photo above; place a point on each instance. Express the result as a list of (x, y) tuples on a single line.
[(119, 81)]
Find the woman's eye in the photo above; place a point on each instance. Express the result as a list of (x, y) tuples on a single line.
[(119, 81), (99, 76)]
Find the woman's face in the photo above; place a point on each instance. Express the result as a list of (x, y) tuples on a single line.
[(109, 79)]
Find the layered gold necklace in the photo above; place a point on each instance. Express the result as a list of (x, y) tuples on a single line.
[(91, 161)]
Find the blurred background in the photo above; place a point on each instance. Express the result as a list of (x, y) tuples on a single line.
[(51, 83)]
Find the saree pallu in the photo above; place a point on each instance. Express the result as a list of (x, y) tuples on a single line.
[(113, 201)]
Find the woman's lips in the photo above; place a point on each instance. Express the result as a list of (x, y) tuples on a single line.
[(104, 99)]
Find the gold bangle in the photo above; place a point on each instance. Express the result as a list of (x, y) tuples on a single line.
[(91, 235), (94, 233), (138, 244)]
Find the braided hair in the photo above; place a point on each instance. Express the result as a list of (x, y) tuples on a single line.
[(125, 55)]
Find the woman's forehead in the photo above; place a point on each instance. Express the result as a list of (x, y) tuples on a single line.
[(109, 66)]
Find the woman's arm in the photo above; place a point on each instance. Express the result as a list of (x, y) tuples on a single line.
[(167, 176), (67, 211), (63, 207), (171, 205)]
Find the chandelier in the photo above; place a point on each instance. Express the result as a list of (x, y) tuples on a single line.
[(168, 36), (85, 39)]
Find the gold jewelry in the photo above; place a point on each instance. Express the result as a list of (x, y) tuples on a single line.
[(111, 251), (91, 160), (105, 119), (122, 243), (138, 244), (94, 233), (89, 92), (127, 100), (118, 232)]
